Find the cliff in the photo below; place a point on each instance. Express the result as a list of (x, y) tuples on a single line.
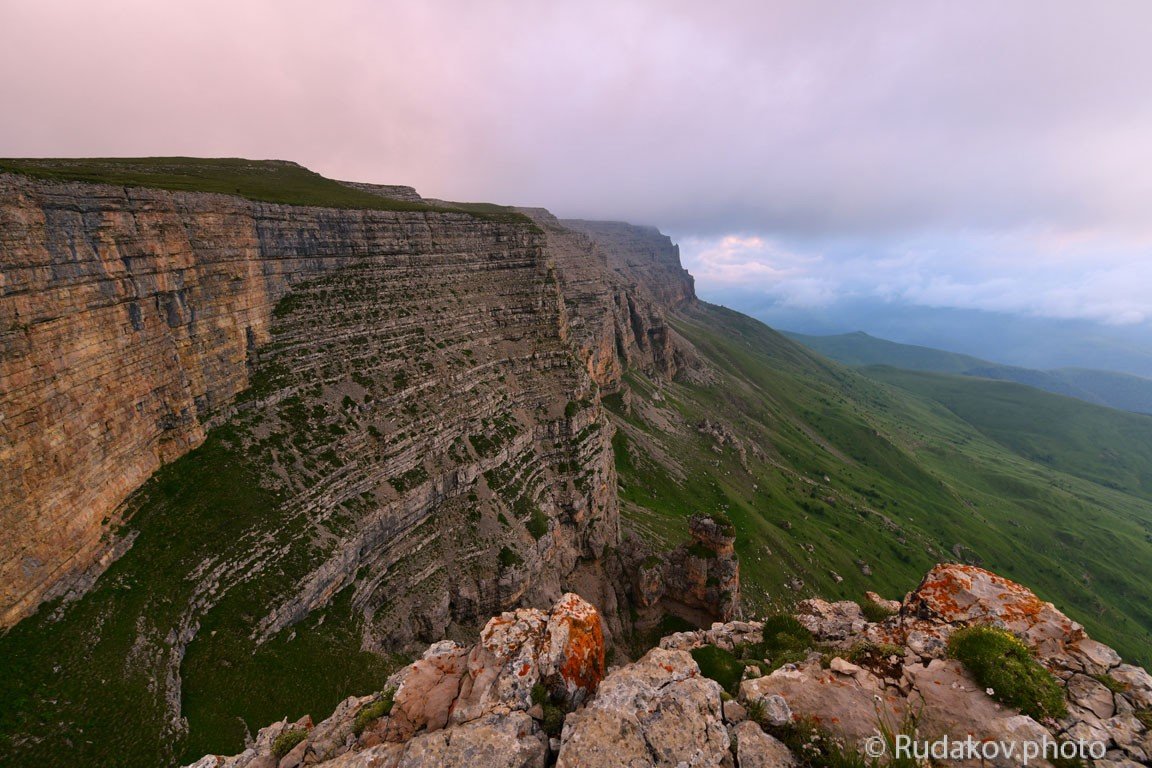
[(132, 318)]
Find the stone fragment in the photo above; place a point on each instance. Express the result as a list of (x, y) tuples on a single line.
[(756, 749)]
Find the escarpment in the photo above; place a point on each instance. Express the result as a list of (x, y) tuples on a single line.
[(130, 320), (402, 361)]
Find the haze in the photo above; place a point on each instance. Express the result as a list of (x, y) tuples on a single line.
[(809, 156)]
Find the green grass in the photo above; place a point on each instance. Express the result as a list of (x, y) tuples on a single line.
[(840, 468), (272, 181), (374, 711), (1004, 664), (874, 611), (284, 743), (718, 664)]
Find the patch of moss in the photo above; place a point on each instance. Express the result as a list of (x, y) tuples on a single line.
[(1001, 662)]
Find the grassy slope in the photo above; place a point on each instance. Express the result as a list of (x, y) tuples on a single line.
[(1115, 390), (854, 470), (272, 181)]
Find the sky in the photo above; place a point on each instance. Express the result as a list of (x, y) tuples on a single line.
[(809, 154)]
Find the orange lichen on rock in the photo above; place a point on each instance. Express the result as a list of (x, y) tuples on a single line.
[(575, 646)]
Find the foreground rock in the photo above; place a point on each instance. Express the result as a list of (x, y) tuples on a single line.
[(656, 712), (474, 706), (458, 706), (919, 679)]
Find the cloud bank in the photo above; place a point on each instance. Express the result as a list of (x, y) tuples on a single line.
[(971, 154)]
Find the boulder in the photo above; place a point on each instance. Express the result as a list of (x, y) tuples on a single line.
[(756, 749), (956, 595), (657, 711), (831, 621)]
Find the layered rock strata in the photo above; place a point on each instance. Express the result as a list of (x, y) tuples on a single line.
[(131, 318)]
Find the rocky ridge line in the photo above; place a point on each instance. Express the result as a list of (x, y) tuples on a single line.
[(661, 711)]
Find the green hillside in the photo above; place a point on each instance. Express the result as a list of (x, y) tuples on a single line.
[(1122, 391), (271, 181), (842, 473)]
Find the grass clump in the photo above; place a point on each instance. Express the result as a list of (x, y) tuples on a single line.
[(1144, 716), (1111, 683), (874, 612), (374, 711), (287, 740), (814, 747), (785, 641), (719, 665), (1001, 662)]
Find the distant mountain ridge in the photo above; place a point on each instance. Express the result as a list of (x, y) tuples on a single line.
[(1121, 391)]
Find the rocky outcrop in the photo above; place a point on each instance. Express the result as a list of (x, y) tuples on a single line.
[(702, 576), (908, 672), (661, 711), (459, 706), (658, 711)]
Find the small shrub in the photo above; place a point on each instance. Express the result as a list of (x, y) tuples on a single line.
[(1145, 717), (874, 612), (719, 665), (287, 740), (374, 711), (998, 660)]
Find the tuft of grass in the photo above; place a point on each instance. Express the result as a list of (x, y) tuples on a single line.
[(719, 665), (1144, 716), (1000, 661), (785, 640), (1111, 683), (374, 711), (814, 746), (287, 740), (874, 612)]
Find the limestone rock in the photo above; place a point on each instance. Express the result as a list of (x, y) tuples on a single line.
[(831, 621), (953, 594), (756, 749), (657, 711)]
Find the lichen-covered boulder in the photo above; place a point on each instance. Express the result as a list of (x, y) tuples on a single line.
[(954, 595)]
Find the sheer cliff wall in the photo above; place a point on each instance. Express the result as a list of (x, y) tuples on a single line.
[(471, 350)]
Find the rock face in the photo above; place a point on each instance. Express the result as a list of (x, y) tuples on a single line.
[(705, 574), (660, 710), (469, 349)]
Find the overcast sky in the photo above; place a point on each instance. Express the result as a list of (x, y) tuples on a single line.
[(990, 155)]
